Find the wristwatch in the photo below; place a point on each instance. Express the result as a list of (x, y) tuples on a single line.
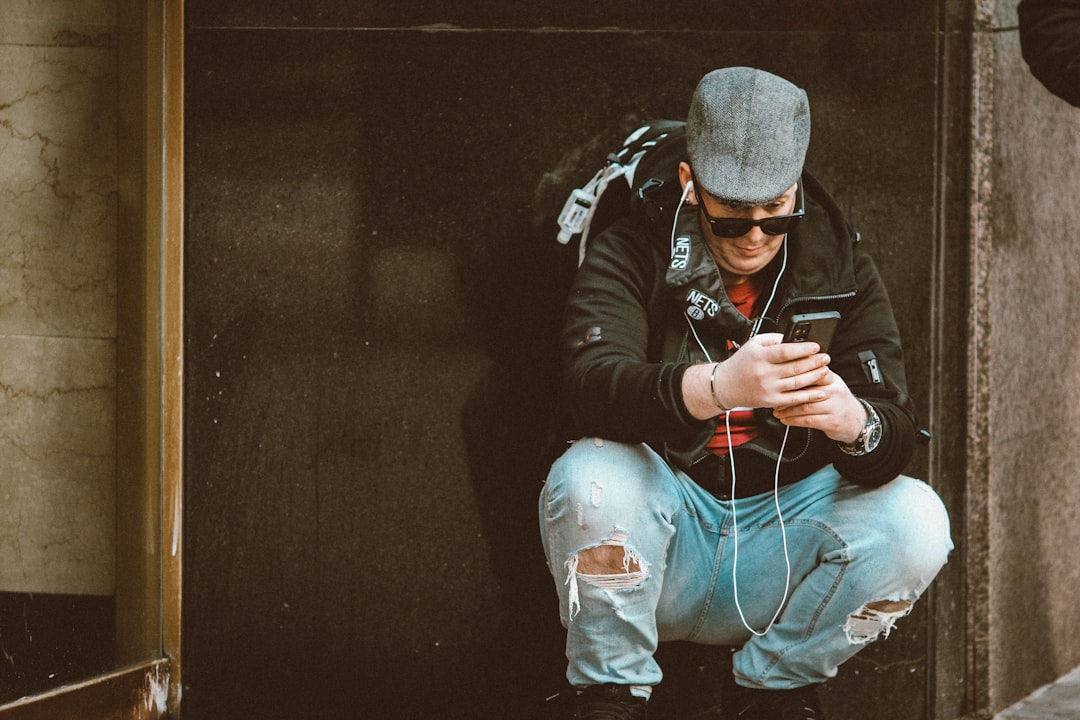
[(869, 437)]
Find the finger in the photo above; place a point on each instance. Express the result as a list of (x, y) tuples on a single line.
[(768, 339), (817, 363), (812, 415), (810, 407), (786, 352), (790, 402), (817, 422), (817, 377)]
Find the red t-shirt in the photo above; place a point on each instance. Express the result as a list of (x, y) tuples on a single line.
[(743, 428)]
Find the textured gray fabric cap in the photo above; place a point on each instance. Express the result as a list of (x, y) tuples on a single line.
[(746, 134)]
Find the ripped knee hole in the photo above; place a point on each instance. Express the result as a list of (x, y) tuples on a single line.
[(607, 560), (611, 566), (875, 619)]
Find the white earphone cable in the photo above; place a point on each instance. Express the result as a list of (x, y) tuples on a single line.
[(735, 531), (731, 455)]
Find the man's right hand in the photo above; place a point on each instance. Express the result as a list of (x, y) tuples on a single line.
[(764, 372)]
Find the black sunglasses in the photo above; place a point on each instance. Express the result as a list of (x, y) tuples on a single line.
[(737, 227)]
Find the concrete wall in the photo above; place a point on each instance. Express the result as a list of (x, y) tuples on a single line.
[(1027, 155), (373, 288)]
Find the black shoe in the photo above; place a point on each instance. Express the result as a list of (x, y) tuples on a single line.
[(610, 702), (798, 704)]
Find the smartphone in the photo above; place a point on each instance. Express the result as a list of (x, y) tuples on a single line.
[(813, 327)]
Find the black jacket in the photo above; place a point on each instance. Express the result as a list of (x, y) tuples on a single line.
[(1050, 44), (627, 341)]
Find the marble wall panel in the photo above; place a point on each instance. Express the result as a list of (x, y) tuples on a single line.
[(58, 204), (57, 191), (58, 22), (57, 459)]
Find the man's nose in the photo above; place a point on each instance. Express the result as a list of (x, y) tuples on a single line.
[(757, 236)]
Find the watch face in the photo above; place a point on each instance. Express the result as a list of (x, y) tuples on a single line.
[(873, 437)]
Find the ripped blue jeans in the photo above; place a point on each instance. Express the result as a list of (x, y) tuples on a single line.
[(858, 558)]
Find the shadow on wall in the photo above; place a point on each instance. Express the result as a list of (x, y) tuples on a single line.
[(516, 296)]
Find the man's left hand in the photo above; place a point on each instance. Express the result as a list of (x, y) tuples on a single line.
[(840, 415)]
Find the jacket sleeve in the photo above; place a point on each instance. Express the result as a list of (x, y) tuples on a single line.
[(868, 356), (612, 389), (1050, 44)]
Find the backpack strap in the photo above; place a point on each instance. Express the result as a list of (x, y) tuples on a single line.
[(580, 208)]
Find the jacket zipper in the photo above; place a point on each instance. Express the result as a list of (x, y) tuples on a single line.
[(870, 365)]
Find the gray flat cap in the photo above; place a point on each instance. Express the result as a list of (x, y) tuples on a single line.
[(746, 134)]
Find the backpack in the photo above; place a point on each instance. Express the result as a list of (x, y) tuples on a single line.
[(641, 178)]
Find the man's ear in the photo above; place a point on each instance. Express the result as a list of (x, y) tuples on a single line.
[(687, 178)]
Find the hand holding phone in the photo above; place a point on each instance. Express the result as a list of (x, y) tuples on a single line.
[(816, 327)]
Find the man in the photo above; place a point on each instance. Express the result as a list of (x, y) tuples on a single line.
[(730, 488)]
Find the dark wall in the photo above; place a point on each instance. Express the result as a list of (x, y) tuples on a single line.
[(372, 292)]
